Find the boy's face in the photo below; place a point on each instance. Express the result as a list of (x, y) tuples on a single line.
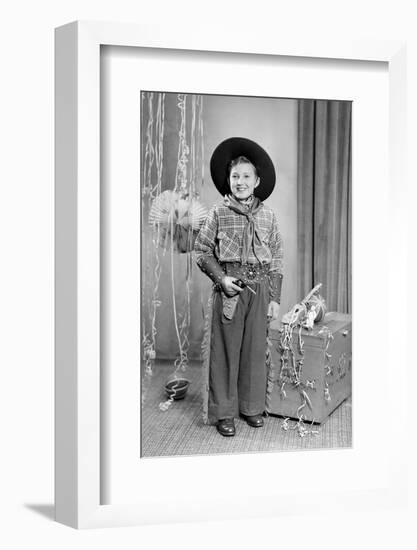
[(243, 180)]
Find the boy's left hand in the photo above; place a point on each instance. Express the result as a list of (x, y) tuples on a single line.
[(273, 311)]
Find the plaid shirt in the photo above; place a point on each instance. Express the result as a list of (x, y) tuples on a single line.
[(221, 236)]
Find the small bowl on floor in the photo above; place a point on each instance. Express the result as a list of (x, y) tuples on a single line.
[(177, 388)]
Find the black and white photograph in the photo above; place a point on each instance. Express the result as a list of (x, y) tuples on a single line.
[(208, 226), (246, 253)]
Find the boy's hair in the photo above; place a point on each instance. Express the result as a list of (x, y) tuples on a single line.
[(240, 160)]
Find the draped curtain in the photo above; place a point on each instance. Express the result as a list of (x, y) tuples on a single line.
[(324, 200)]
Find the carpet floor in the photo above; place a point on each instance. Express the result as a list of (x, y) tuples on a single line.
[(180, 429)]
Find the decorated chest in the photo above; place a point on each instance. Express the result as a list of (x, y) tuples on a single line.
[(310, 370)]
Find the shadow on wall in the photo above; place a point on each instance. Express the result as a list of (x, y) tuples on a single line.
[(273, 124)]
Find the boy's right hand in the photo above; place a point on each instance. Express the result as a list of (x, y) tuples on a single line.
[(229, 288)]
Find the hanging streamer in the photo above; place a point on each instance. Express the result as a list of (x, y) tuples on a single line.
[(152, 162), (175, 215), (147, 164), (179, 216)]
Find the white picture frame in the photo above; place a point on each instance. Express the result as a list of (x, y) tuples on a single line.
[(78, 409)]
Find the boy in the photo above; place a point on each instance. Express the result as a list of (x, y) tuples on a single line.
[(240, 242)]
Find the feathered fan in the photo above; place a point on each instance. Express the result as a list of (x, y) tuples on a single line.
[(177, 217)]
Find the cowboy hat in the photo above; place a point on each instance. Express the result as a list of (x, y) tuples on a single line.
[(234, 147)]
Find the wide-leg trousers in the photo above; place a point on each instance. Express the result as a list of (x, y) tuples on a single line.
[(237, 368)]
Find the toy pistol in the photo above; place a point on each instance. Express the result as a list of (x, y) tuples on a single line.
[(241, 284)]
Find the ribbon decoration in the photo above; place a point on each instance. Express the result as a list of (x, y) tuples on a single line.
[(300, 426), (182, 202), (153, 157), (328, 369), (302, 316), (190, 156), (327, 396)]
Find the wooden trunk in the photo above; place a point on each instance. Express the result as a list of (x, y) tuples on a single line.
[(323, 380)]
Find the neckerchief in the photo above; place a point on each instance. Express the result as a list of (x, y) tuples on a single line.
[(250, 235)]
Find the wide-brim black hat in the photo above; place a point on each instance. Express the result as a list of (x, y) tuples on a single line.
[(234, 147)]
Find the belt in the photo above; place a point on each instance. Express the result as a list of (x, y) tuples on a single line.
[(248, 273)]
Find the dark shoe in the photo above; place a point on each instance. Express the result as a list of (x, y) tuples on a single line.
[(256, 421), (226, 427)]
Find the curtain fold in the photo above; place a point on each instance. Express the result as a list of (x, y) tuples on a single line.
[(324, 200)]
